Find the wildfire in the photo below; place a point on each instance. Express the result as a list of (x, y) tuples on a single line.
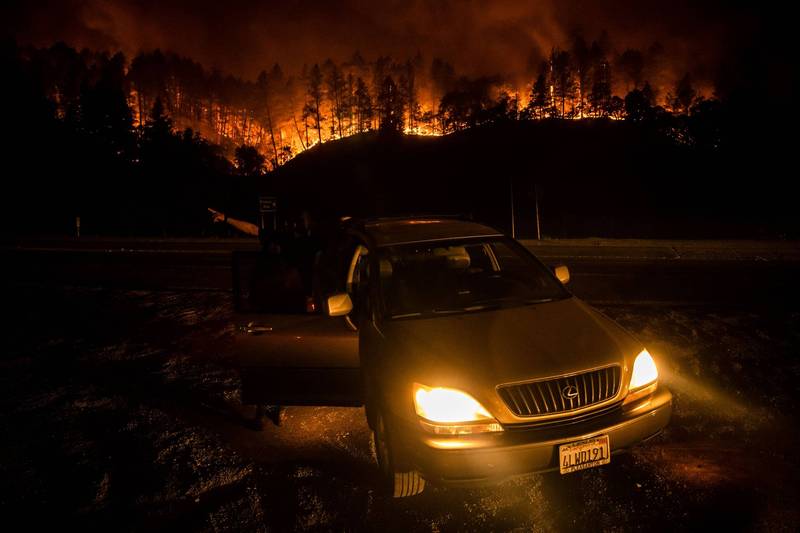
[(282, 116)]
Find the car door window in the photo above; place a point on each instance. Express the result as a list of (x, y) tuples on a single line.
[(358, 281)]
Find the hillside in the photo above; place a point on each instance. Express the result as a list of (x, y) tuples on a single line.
[(593, 178)]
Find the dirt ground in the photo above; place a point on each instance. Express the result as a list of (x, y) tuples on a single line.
[(121, 410)]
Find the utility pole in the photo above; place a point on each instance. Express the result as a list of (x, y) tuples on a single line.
[(536, 207), (513, 222)]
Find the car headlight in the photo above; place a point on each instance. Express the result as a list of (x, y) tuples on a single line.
[(644, 371), (451, 411)]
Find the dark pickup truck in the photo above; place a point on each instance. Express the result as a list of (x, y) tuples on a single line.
[(471, 358)]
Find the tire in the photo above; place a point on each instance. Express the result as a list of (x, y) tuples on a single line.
[(398, 481)]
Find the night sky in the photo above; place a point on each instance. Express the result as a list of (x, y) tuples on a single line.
[(505, 37)]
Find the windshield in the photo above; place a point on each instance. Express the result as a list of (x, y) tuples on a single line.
[(462, 276)]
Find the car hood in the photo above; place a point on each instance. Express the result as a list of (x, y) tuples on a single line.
[(478, 351)]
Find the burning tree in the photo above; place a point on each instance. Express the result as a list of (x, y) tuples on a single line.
[(683, 96), (249, 162), (281, 114), (539, 102), (363, 105), (313, 107), (390, 107)]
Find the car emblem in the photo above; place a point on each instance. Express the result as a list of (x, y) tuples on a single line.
[(570, 392)]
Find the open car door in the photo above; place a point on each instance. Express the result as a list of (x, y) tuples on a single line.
[(298, 357), (298, 360)]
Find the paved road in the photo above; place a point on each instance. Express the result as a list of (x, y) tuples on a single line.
[(576, 248), (643, 273)]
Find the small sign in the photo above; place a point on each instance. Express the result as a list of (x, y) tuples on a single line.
[(267, 204)]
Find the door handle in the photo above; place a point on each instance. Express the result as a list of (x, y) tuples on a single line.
[(251, 328)]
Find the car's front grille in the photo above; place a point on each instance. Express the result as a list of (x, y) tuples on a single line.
[(561, 394), (563, 421)]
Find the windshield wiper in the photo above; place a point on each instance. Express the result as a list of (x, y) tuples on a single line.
[(477, 306), (406, 315), (532, 301), (512, 301), (452, 311), (466, 309)]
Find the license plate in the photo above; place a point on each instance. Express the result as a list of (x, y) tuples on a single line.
[(584, 454)]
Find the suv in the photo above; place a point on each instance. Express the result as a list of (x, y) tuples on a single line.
[(473, 361)]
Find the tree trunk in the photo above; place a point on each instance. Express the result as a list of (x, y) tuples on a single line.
[(319, 125), (271, 133), (141, 108), (299, 133), (339, 111)]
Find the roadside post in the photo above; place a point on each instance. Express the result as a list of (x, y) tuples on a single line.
[(513, 217), (267, 213), (536, 209)]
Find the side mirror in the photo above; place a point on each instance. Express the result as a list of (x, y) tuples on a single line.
[(339, 304), (562, 273)]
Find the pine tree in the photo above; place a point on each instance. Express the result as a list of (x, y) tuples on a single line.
[(390, 107), (682, 96), (539, 100), (312, 108), (563, 80), (600, 95), (363, 105)]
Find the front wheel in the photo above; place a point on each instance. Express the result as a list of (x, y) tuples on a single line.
[(399, 480)]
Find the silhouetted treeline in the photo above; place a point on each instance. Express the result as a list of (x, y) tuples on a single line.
[(75, 157), (282, 114)]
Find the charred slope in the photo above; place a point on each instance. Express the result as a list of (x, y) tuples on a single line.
[(592, 178)]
